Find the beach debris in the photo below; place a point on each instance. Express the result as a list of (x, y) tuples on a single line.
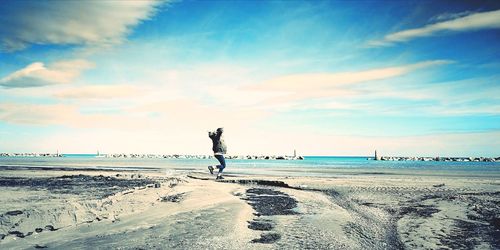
[(2, 236), (17, 234), (14, 213), (40, 246), (173, 198), (157, 185), (50, 228), (439, 185), (267, 238), (38, 230)]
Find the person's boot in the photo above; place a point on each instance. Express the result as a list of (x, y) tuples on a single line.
[(211, 169), (219, 177)]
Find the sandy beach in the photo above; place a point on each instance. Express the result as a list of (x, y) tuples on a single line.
[(70, 208)]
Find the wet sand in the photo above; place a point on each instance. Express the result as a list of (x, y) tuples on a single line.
[(61, 209)]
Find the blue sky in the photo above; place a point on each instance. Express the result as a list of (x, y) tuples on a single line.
[(325, 78)]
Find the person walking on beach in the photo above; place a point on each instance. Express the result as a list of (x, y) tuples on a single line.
[(219, 148)]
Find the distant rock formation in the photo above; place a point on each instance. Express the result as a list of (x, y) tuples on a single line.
[(458, 159), (165, 156)]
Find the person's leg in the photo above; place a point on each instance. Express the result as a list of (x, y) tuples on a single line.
[(222, 162)]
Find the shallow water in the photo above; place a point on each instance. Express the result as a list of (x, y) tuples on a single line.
[(310, 166)]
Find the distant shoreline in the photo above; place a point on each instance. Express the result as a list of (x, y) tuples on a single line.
[(156, 156), (257, 157)]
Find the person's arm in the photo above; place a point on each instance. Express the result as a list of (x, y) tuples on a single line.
[(219, 132)]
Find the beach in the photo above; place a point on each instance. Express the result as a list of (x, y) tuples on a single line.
[(77, 208)]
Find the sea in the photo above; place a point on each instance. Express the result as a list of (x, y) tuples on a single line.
[(327, 166)]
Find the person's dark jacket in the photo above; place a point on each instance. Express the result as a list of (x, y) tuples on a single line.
[(218, 145)]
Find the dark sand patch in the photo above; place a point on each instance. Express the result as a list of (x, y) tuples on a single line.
[(81, 169), (96, 186), (173, 198), (261, 225), (267, 238), (270, 202)]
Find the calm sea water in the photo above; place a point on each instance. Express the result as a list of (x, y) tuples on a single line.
[(311, 165)]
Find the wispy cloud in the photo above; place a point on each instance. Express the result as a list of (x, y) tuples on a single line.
[(65, 115), (173, 115), (37, 74), (460, 23), (100, 92), (69, 22), (317, 85), (449, 16)]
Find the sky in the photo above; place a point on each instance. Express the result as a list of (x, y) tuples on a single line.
[(405, 78)]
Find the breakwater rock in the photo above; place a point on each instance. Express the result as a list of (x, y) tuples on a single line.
[(458, 159), (164, 156)]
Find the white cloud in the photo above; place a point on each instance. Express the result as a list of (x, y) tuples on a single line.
[(37, 74), (475, 21), (474, 96), (70, 22)]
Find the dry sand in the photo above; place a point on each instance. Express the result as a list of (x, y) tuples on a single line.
[(189, 210)]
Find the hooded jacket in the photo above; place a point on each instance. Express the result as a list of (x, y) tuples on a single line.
[(218, 145)]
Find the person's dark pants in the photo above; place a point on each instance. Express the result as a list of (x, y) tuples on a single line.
[(222, 161)]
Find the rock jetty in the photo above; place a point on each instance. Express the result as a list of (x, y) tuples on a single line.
[(236, 157), (458, 159), (164, 156), (30, 155)]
